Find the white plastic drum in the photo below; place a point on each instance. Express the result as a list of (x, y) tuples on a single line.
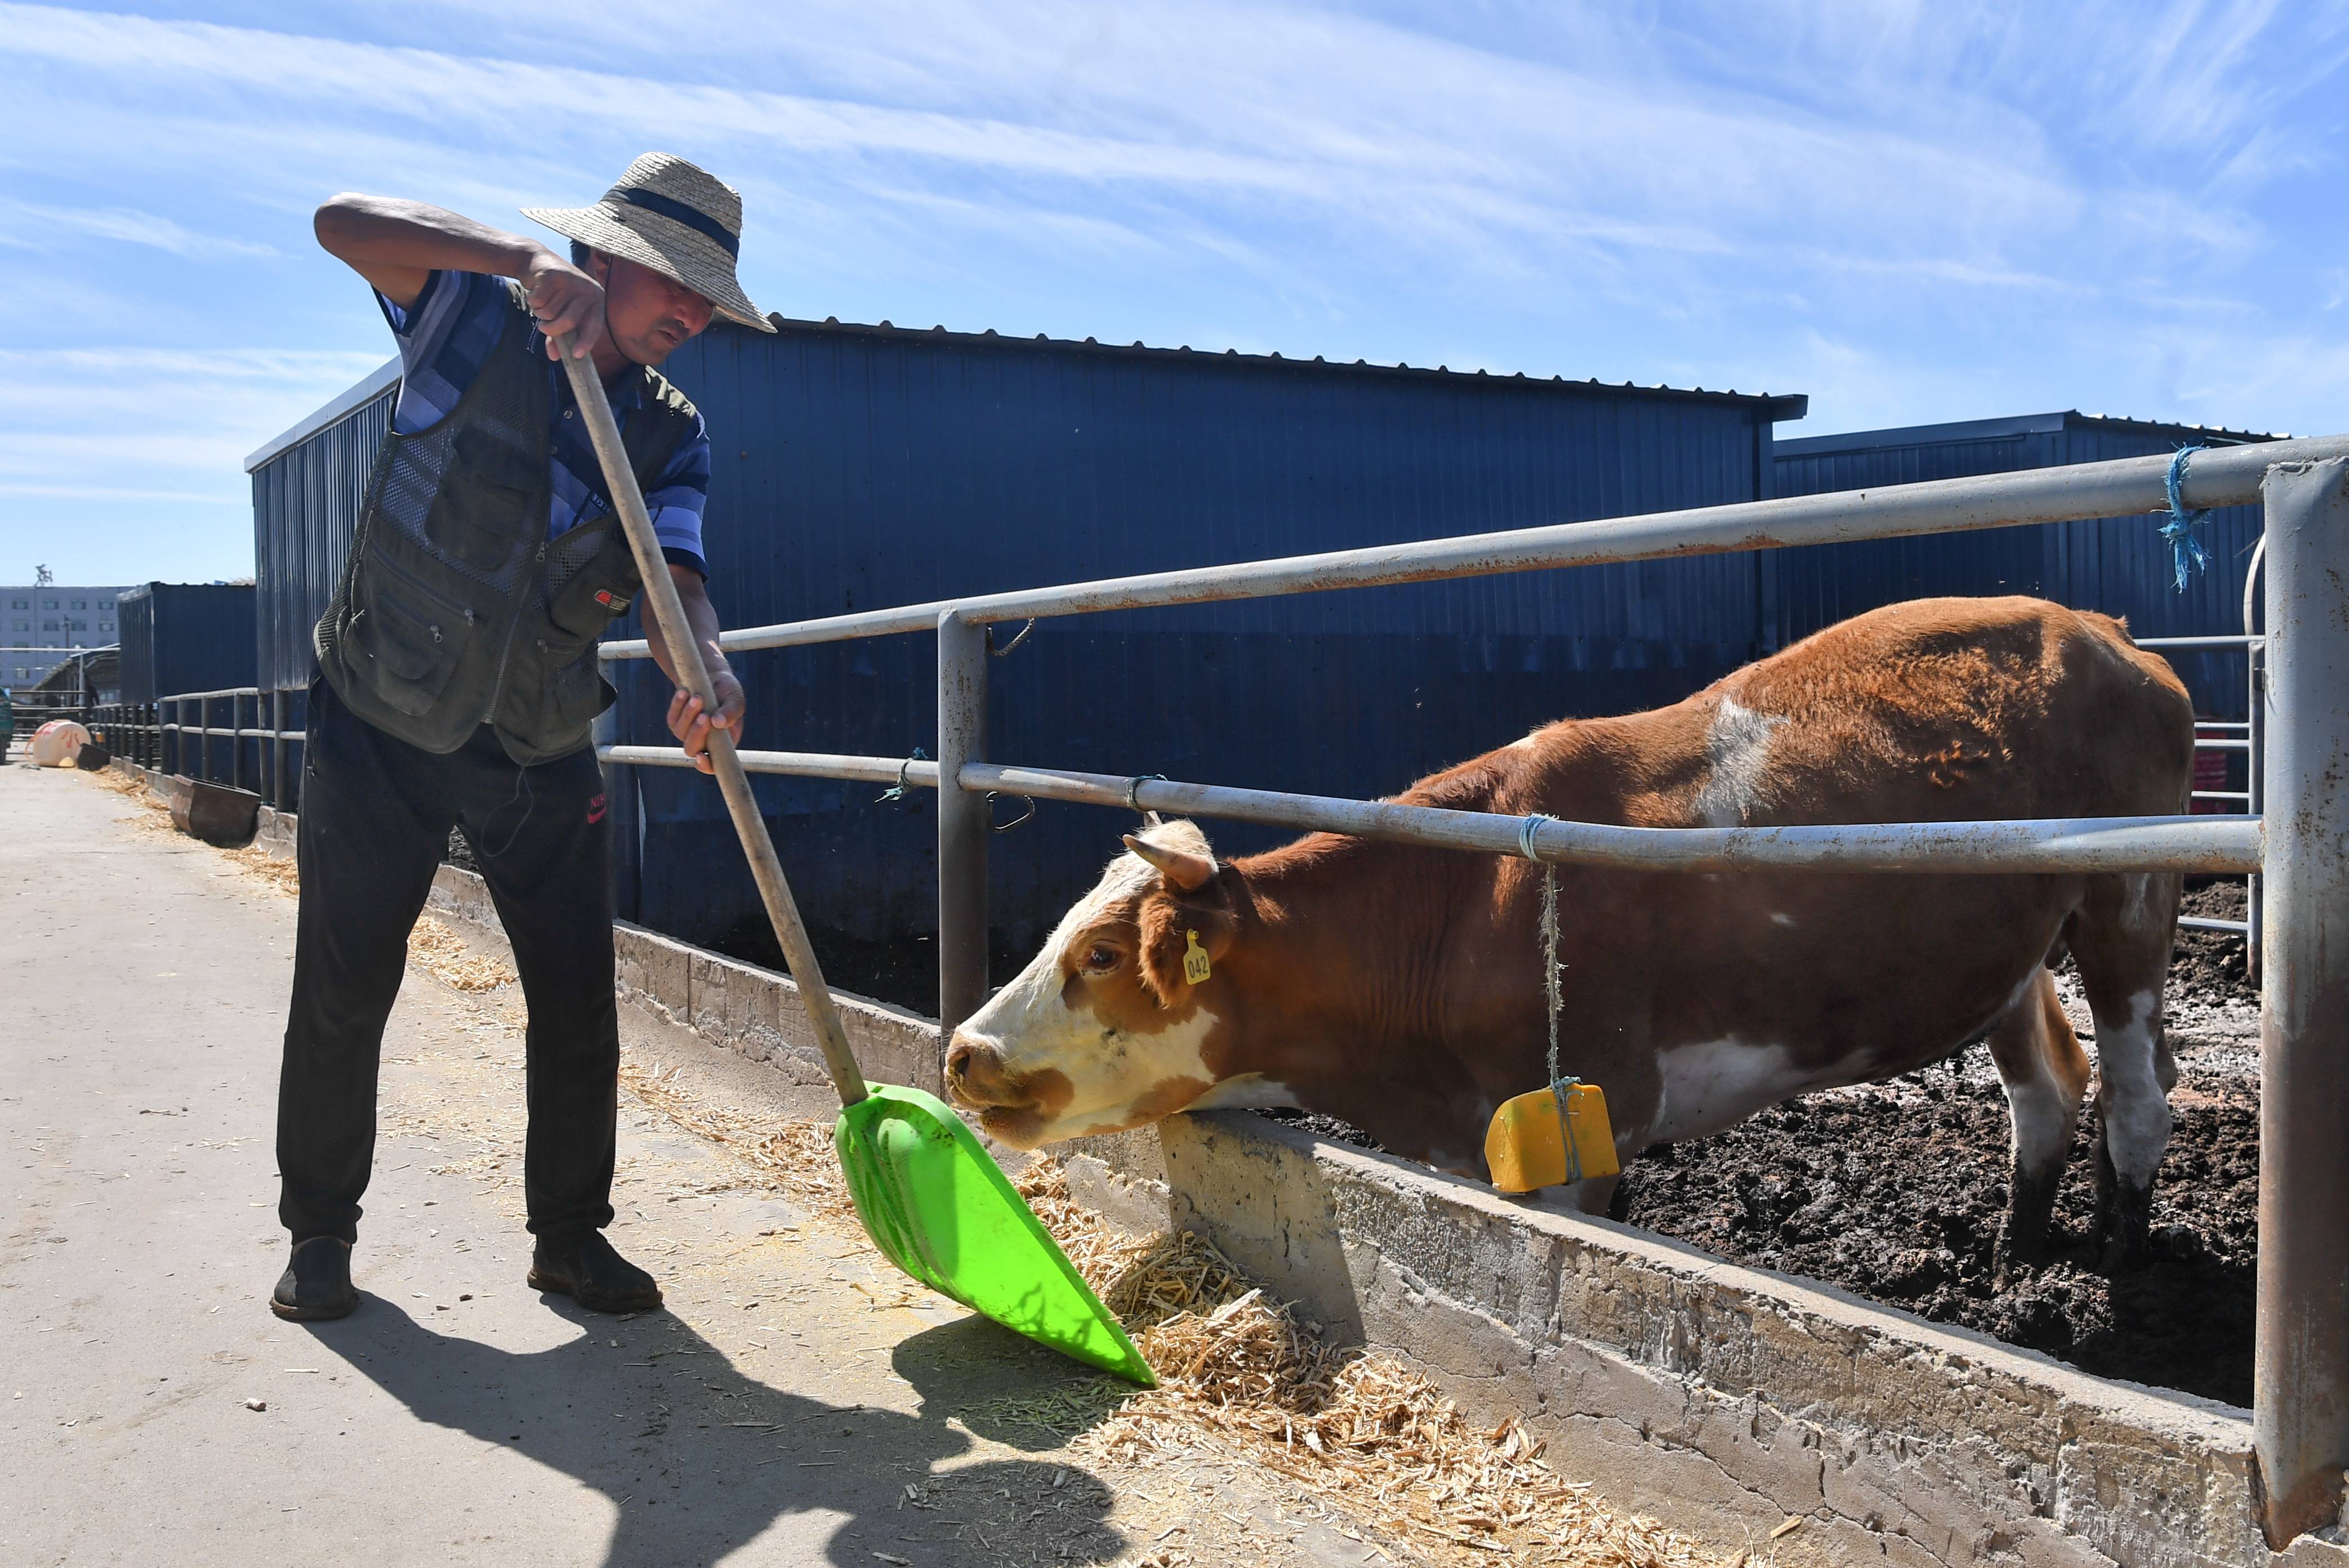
[(56, 743)]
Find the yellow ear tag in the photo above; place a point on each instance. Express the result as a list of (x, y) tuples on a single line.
[(1196, 968)]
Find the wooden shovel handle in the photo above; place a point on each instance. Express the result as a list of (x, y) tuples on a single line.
[(685, 655)]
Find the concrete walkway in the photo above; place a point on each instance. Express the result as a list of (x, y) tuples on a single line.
[(795, 1404)]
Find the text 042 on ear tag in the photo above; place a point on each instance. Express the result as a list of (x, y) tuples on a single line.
[(1195, 968)]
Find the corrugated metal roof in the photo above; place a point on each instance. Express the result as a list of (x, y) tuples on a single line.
[(1782, 406), (2009, 428), (358, 395)]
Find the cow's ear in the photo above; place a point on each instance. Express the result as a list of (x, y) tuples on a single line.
[(1169, 925), (1186, 869)]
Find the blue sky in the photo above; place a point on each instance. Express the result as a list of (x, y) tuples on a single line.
[(1912, 211)]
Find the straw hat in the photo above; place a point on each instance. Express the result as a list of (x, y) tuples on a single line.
[(671, 216)]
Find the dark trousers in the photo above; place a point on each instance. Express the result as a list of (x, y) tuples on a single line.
[(375, 820)]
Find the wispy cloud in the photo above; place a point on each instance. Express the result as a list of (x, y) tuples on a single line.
[(34, 226), (136, 422), (1912, 210), (1488, 153)]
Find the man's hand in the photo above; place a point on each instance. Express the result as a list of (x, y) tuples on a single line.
[(564, 300), (691, 726), (686, 720)]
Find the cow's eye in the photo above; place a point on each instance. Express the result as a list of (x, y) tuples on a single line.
[(1101, 958)]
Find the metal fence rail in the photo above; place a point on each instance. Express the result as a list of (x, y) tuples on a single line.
[(129, 730), (2301, 1380), (2042, 846), (186, 747), (2221, 476)]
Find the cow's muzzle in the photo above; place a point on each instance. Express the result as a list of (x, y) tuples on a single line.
[(975, 1076)]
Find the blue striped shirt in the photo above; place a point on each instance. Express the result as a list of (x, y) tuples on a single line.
[(444, 339)]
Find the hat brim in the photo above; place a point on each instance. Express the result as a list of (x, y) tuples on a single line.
[(668, 247)]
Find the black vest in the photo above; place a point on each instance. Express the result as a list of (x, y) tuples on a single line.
[(454, 609)]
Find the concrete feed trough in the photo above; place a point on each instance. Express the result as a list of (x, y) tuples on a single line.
[(1725, 1399)]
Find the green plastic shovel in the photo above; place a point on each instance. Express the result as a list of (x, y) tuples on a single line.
[(932, 1200)]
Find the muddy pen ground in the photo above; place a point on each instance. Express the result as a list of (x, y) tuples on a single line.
[(1894, 1190)]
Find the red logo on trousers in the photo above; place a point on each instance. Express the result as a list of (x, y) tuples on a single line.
[(595, 810)]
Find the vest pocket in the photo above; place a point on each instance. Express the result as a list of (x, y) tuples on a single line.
[(406, 655), (586, 597), (577, 692)]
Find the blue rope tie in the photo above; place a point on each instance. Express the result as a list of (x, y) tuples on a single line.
[(2187, 551), (897, 790)]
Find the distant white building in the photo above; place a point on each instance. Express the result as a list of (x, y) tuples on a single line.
[(52, 615)]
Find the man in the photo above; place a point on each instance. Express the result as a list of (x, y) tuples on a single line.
[(458, 680)]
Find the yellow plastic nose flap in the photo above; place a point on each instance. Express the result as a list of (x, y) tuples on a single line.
[(1523, 1148)]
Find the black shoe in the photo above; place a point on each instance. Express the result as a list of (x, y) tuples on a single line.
[(590, 1272), (317, 1283)]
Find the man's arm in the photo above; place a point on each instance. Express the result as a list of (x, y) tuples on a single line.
[(397, 245), (686, 720)]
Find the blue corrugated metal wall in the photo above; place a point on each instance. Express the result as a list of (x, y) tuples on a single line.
[(2121, 566), (185, 637), (860, 467), (306, 507)]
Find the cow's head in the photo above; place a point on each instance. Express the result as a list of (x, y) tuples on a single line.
[(1111, 1025)]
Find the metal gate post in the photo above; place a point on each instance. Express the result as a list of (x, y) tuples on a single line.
[(2254, 781), (963, 823), (2299, 1371), (235, 741)]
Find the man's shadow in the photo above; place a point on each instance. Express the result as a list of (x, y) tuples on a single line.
[(700, 1458)]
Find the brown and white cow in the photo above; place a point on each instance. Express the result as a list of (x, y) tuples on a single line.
[(1398, 988)]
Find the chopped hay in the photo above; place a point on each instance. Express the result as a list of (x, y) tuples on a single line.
[(795, 1156), (155, 819), (277, 870), (1366, 1432), (443, 954), (123, 783)]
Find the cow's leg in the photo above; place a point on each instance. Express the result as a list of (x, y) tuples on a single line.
[(1595, 1195), (2045, 1074), (2121, 939)]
